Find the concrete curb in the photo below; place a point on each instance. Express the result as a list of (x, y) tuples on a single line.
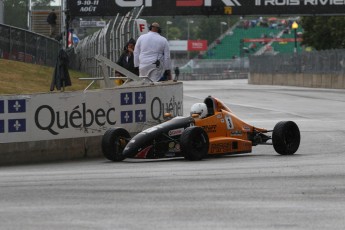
[(330, 81)]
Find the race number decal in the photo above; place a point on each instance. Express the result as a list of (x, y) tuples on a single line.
[(229, 123)]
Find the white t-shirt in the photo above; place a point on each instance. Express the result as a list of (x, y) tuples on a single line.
[(149, 48)]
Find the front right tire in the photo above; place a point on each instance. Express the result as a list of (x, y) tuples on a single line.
[(286, 137)]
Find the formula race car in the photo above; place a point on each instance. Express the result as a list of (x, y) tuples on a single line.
[(211, 129)]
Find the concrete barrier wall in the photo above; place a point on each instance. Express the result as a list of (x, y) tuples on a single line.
[(224, 76), (50, 150), (331, 81), (70, 125)]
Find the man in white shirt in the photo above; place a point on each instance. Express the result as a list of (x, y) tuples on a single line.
[(152, 54)]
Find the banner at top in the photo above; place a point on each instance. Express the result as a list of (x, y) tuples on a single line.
[(207, 7)]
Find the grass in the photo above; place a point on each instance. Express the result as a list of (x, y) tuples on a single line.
[(23, 78)]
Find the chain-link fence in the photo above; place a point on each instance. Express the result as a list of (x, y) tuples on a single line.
[(210, 66), (108, 42), (317, 62), (22, 45), (227, 56)]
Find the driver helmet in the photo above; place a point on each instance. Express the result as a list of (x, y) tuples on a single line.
[(199, 108)]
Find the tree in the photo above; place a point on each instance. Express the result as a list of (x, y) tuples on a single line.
[(203, 27), (174, 33), (324, 32), (209, 27), (42, 2), (16, 11)]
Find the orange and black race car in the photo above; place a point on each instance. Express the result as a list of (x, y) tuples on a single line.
[(212, 129)]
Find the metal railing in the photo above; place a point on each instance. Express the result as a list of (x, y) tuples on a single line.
[(22, 45), (108, 42), (213, 66), (315, 62)]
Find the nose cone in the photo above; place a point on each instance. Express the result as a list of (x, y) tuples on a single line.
[(129, 151), (141, 144), (137, 144)]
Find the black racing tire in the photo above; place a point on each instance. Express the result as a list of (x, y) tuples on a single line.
[(286, 137), (194, 143), (113, 143)]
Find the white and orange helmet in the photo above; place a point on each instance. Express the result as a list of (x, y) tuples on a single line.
[(199, 108)]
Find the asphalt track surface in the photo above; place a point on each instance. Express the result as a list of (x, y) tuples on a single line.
[(260, 190)]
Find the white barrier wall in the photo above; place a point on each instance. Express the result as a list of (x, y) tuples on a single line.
[(26, 118)]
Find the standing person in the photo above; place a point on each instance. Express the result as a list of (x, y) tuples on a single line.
[(152, 54), (126, 60), (51, 19), (177, 73)]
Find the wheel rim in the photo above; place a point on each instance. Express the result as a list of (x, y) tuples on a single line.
[(201, 143), (289, 140), (120, 144)]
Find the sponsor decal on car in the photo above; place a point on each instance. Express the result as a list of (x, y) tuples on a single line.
[(220, 148), (175, 132), (246, 128), (170, 154), (236, 133), (210, 128)]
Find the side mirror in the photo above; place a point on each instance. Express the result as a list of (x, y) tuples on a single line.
[(195, 115), (167, 116)]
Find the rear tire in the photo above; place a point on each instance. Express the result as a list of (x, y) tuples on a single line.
[(113, 143), (286, 137), (194, 143)]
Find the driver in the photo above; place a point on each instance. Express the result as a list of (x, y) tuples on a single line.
[(199, 108)]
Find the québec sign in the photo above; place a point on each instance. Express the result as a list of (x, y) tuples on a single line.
[(206, 7)]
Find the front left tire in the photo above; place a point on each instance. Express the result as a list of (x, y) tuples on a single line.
[(114, 141), (194, 143)]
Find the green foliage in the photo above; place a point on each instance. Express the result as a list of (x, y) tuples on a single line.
[(16, 11), (324, 32), (174, 33), (42, 2), (204, 28)]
